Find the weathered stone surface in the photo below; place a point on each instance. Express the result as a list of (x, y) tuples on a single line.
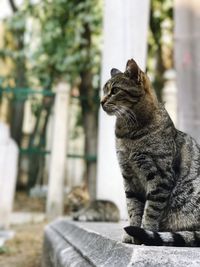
[(8, 174), (68, 243), (58, 252)]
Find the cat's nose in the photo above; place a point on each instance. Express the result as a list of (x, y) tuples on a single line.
[(103, 100)]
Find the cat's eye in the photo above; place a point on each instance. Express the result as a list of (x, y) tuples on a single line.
[(114, 90)]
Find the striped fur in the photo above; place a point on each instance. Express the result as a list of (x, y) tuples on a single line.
[(177, 239), (160, 165)]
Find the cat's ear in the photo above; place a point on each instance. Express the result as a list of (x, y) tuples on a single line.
[(132, 70), (114, 71)]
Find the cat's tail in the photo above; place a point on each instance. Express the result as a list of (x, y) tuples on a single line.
[(175, 239)]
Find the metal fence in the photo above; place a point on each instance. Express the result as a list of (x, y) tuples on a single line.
[(37, 151)]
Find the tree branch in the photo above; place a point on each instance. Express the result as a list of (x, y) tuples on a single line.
[(13, 5)]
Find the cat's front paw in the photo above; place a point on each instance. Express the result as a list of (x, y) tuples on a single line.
[(127, 239), (130, 240)]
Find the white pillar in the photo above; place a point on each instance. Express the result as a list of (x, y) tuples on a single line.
[(187, 64), (170, 94), (125, 37), (8, 174), (58, 153)]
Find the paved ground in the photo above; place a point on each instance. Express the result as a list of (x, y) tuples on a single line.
[(25, 249)]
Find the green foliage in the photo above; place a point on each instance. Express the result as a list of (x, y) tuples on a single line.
[(13, 49), (4, 250), (160, 50), (161, 12), (62, 51), (48, 39)]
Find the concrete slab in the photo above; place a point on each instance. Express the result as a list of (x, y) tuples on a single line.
[(68, 243)]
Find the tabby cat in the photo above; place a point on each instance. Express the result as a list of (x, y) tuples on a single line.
[(160, 165), (98, 211), (76, 199), (79, 207)]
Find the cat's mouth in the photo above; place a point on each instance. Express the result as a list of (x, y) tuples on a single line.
[(109, 109)]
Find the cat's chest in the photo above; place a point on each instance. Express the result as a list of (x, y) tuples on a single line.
[(126, 151), (135, 153), (126, 148)]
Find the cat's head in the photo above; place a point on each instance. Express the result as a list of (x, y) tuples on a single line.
[(128, 91)]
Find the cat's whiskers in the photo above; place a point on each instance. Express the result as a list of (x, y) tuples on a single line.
[(129, 114), (122, 116)]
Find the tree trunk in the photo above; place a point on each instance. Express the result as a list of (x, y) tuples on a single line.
[(187, 51), (90, 127), (36, 161), (17, 106), (13, 5), (16, 120), (89, 114)]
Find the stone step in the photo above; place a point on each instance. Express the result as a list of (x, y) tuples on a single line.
[(68, 243)]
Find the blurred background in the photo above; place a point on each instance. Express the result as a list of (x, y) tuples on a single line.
[(56, 148)]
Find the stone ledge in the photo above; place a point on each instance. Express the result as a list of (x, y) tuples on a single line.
[(68, 243)]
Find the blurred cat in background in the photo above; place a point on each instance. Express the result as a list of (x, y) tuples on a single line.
[(78, 204)]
